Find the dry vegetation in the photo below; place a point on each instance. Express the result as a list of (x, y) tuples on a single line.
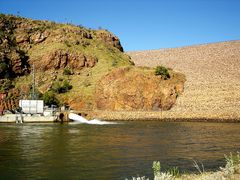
[(213, 78), (231, 171)]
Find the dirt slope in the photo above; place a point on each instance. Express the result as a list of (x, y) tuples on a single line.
[(212, 89)]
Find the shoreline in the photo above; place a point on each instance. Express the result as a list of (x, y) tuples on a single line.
[(144, 120), (180, 120), (164, 116), (231, 171)]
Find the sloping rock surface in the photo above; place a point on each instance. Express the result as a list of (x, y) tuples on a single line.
[(137, 89)]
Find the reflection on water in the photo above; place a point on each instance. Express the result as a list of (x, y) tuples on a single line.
[(77, 151)]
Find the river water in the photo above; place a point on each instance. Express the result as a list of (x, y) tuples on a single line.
[(116, 151)]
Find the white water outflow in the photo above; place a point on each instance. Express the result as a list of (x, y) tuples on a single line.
[(81, 119)]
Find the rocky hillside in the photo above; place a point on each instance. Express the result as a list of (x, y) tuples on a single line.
[(213, 78), (69, 61), (132, 88)]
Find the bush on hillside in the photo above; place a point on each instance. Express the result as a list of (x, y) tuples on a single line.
[(36, 94), (114, 63), (67, 71), (49, 99), (162, 71), (5, 85), (4, 69), (61, 87)]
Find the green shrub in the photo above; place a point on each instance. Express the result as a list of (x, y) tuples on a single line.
[(49, 98), (61, 87), (60, 79), (67, 71), (66, 85), (5, 85), (174, 171), (162, 71), (67, 43), (4, 69), (35, 95), (156, 168), (232, 161), (114, 63)]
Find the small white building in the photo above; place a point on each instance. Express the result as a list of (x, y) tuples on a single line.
[(31, 106)]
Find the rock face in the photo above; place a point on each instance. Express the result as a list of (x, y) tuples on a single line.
[(60, 59), (137, 89), (49, 45), (13, 61), (110, 39)]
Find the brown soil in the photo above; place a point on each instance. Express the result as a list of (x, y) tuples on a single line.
[(212, 89)]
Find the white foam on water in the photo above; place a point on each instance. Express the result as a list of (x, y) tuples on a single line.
[(81, 119)]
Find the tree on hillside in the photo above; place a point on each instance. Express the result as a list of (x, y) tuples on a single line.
[(49, 99), (162, 71)]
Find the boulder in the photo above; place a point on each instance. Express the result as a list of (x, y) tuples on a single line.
[(38, 37), (21, 38)]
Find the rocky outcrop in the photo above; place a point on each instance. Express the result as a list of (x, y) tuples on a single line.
[(10, 104), (60, 59), (20, 37), (137, 89), (110, 39), (13, 61), (38, 37)]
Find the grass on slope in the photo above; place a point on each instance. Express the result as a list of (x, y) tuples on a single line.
[(84, 80)]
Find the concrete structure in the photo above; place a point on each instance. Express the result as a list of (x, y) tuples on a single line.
[(27, 118), (32, 111), (31, 106)]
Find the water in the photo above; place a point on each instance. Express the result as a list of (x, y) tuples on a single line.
[(116, 151), (82, 120)]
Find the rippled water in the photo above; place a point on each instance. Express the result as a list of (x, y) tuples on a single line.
[(78, 151)]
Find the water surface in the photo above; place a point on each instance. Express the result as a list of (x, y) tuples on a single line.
[(117, 151)]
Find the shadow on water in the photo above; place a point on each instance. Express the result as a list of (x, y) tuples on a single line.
[(116, 151)]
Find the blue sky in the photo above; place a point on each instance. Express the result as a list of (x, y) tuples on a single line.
[(142, 24)]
